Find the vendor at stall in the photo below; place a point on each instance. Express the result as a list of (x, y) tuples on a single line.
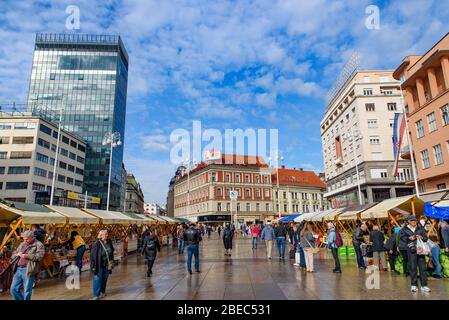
[(77, 243)]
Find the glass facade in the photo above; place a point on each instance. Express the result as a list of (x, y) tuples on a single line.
[(87, 76)]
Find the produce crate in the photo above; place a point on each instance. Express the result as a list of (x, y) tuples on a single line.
[(343, 251), (351, 251)]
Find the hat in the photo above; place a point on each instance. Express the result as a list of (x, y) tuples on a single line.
[(411, 218)]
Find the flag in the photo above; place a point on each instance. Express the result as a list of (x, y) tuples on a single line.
[(398, 137)]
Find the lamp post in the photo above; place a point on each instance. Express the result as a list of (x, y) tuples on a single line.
[(53, 180), (354, 136), (277, 157), (113, 140)]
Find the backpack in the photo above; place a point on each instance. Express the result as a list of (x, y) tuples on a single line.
[(338, 239)]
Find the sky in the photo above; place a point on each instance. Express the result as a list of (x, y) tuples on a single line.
[(263, 64)]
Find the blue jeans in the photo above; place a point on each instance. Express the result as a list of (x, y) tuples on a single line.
[(180, 246), (100, 280), (254, 242), (436, 260), (19, 281), (359, 254), (302, 257), (79, 256), (193, 249), (281, 246)]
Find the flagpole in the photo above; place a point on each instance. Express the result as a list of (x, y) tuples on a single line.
[(412, 157)]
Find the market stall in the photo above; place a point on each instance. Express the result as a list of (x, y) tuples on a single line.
[(305, 216)]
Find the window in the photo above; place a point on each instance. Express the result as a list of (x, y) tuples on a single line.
[(246, 178), (228, 177), (69, 180), (374, 140), (284, 194), (3, 154), (41, 157), (392, 106), (438, 154), (378, 173), (238, 206), (4, 140), (71, 168), (73, 144), (237, 178), (445, 114), (5, 126), (213, 177), (422, 186), (18, 170), (265, 179), (432, 122), (64, 152), (267, 207), (38, 187), (285, 208), (79, 171), (52, 161), (40, 172), (372, 123), (367, 92), (53, 147), (61, 178), (257, 179), (267, 193), (65, 140), (257, 206), (248, 207), (257, 193), (20, 155), (425, 159), (441, 186), (219, 193), (219, 206), (55, 134), (62, 165), (386, 92), (24, 125), (247, 193), (22, 140), (43, 143), (81, 148), (370, 107), (80, 159), (78, 183), (16, 185), (2, 170), (419, 129), (45, 129)]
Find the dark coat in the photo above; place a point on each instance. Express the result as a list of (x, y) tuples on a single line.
[(402, 245), (407, 233), (280, 231), (377, 239), (150, 247), (392, 243), (192, 236), (357, 236), (96, 252), (40, 234)]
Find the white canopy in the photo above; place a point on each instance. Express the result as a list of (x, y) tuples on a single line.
[(8, 214), (442, 203), (75, 215), (110, 217), (332, 214), (306, 216), (320, 215), (382, 209)]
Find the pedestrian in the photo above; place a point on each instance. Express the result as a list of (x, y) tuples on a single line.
[(281, 235), (307, 241), (295, 244), (435, 255), (410, 235), (219, 231), (209, 231), (101, 263), (391, 246), (403, 249), (268, 235), (29, 254), (255, 232), (444, 231), (376, 240), (39, 233), (357, 240), (180, 237), (192, 239), (77, 243), (332, 245), (228, 235), (150, 248)]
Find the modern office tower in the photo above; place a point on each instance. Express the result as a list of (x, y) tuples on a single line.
[(356, 133), (86, 76)]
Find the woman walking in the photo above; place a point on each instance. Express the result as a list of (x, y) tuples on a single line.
[(150, 248), (228, 234), (307, 241), (101, 263)]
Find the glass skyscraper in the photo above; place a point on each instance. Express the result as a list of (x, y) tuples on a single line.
[(86, 76)]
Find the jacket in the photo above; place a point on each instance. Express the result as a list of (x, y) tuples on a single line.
[(392, 243), (34, 256), (445, 236), (377, 239), (307, 240), (331, 237), (255, 231), (40, 234), (407, 233), (150, 246), (96, 252), (402, 245), (357, 236), (192, 236), (280, 231), (295, 238), (268, 233), (228, 233)]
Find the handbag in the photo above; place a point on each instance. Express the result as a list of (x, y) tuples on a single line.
[(430, 265), (422, 248), (110, 263), (315, 249)]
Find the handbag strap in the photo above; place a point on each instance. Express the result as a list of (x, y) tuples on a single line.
[(309, 243), (105, 250)]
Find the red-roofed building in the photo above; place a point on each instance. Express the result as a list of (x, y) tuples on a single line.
[(300, 191)]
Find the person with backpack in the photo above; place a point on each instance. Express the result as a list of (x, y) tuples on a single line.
[(150, 248), (377, 239), (391, 246), (334, 241), (228, 235)]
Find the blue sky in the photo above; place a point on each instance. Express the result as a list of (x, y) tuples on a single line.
[(230, 64)]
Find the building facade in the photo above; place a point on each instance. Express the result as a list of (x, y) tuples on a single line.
[(203, 195), (134, 199), (86, 76), (425, 83), (357, 128), (28, 147), (300, 192), (152, 208)]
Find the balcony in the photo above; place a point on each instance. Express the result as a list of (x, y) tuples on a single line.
[(405, 153)]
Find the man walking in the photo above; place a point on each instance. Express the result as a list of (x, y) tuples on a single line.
[(255, 231), (192, 238), (281, 236), (357, 240), (333, 246), (180, 237), (29, 254), (268, 235)]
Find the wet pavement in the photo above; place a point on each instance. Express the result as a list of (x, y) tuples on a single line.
[(246, 275)]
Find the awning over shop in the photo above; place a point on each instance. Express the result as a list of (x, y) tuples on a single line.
[(382, 209), (442, 203), (110, 217), (289, 218), (182, 220), (319, 217), (351, 213), (306, 216), (169, 219), (8, 214), (436, 212), (332, 214), (137, 218), (75, 215), (160, 219)]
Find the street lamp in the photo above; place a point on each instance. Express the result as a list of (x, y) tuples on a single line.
[(354, 136), (113, 140), (277, 157)]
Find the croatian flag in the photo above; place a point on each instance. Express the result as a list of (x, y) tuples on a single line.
[(398, 137)]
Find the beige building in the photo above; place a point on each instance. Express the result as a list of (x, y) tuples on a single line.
[(134, 199), (27, 156), (359, 119)]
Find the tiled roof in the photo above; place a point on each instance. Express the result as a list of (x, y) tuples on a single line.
[(295, 177)]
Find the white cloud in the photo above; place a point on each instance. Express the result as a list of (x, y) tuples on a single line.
[(156, 143)]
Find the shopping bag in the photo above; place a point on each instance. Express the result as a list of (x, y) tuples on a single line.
[(422, 248)]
